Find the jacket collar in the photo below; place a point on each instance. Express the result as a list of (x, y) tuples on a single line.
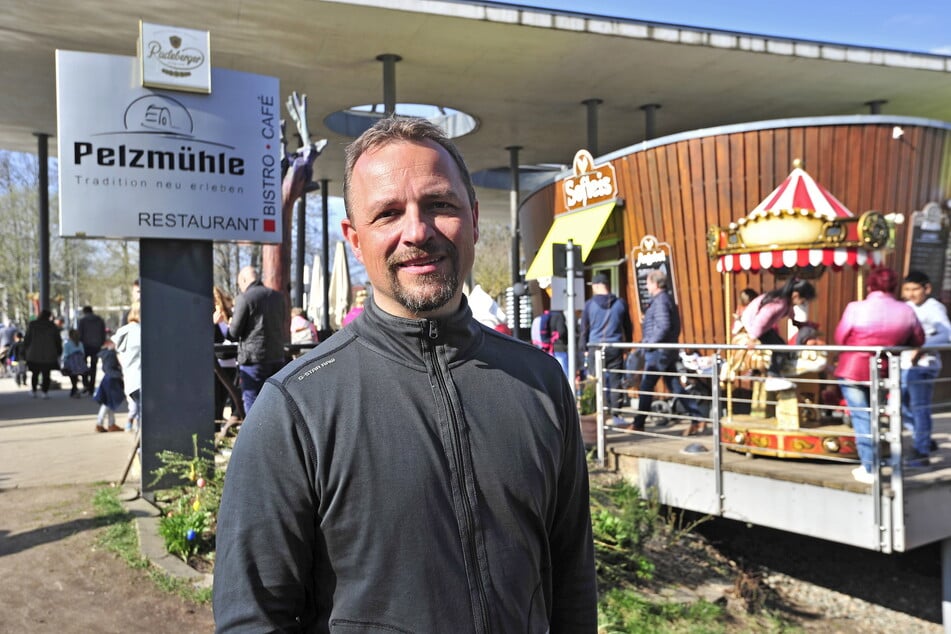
[(408, 340)]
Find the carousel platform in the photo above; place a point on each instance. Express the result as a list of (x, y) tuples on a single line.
[(821, 439)]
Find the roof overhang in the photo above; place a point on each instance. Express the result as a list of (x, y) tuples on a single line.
[(523, 73)]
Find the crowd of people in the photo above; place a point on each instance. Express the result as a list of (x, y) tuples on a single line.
[(895, 312)]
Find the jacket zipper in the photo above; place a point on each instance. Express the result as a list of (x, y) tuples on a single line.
[(433, 331)]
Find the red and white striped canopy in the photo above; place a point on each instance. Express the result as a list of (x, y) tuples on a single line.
[(800, 192), (788, 258)]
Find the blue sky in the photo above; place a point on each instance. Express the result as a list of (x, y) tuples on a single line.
[(909, 25)]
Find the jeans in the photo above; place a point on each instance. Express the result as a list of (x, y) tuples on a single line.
[(917, 390), (252, 379), (649, 381), (613, 360), (92, 360), (857, 398), (563, 360)]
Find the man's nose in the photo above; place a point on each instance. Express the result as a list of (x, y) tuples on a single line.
[(417, 227)]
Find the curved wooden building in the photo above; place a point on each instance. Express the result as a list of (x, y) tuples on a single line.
[(675, 188)]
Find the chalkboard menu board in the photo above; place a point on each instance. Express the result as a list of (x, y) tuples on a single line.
[(651, 255), (928, 244)]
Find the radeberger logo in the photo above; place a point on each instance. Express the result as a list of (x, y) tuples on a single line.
[(590, 183), (175, 60)]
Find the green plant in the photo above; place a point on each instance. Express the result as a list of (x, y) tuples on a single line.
[(622, 522), (587, 399), (189, 512), (624, 611), (120, 537)]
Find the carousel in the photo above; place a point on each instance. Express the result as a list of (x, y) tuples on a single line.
[(799, 230)]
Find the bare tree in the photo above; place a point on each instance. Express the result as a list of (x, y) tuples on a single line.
[(492, 269)]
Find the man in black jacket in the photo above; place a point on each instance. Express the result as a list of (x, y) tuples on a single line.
[(92, 334), (417, 471), (259, 325)]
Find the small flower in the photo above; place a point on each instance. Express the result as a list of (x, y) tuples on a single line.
[(197, 504), (201, 483), (190, 535), (171, 514)]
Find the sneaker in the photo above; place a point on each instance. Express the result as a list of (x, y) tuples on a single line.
[(861, 475), (619, 423), (44, 396), (114, 428), (933, 446), (128, 427), (776, 384), (917, 460), (100, 428)]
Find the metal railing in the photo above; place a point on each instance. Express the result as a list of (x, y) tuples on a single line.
[(724, 397)]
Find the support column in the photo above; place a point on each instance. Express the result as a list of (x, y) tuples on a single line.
[(298, 298), (650, 120), (176, 278), (516, 260), (42, 152), (325, 257), (875, 106), (592, 106), (389, 81)]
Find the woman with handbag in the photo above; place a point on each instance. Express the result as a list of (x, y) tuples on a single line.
[(74, 361)]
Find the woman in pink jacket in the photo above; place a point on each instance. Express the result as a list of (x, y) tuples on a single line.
[(763, 314), (878, 320)]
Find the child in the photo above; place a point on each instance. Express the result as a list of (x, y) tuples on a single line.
[(109, 394), (74, 361), (18, 359)]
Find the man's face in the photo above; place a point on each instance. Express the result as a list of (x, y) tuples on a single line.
[(652, 287), (412, 227), (915, 293)]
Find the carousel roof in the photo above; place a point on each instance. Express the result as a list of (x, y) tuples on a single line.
[(799, 192), (799, 226)]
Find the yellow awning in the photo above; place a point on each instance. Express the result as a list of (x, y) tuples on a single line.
[(582, 227)]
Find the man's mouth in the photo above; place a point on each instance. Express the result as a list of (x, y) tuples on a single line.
[(426, 264)]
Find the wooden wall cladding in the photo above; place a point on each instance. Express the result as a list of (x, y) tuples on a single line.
[(675, 191)]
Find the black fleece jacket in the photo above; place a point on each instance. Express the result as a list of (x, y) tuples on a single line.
[(409, 476)]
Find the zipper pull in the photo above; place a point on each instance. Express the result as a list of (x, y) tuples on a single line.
[(433, 329)]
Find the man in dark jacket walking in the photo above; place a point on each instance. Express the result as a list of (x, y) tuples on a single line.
[(605, 319), (260, 326), (92, 334), (661, 325), (417, 471)]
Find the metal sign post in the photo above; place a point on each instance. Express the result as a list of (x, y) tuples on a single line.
[(570, 310)]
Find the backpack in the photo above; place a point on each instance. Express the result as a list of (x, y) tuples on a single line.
[(547, 338)]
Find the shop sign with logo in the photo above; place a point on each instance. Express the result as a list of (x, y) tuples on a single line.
[(651, 255), (174, 58), (589, 183), (142, 163)]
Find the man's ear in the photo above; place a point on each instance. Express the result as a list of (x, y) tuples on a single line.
[(351, 236), (475, 223)]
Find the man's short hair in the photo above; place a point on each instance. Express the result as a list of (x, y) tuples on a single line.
[(658, 277), (87, 309), (917, 277), (393, 129)]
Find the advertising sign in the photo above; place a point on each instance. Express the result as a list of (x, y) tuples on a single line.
[(651, 255), (141, 163), (174, 58), (589, 183)]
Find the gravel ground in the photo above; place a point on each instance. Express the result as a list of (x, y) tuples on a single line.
[(827, 587)]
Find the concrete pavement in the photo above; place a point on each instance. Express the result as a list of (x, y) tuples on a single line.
[(53, 441)]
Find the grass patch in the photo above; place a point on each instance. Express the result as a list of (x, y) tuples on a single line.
[(119, 536), (623, 611)]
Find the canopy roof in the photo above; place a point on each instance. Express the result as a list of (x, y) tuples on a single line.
[(799, 227)]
